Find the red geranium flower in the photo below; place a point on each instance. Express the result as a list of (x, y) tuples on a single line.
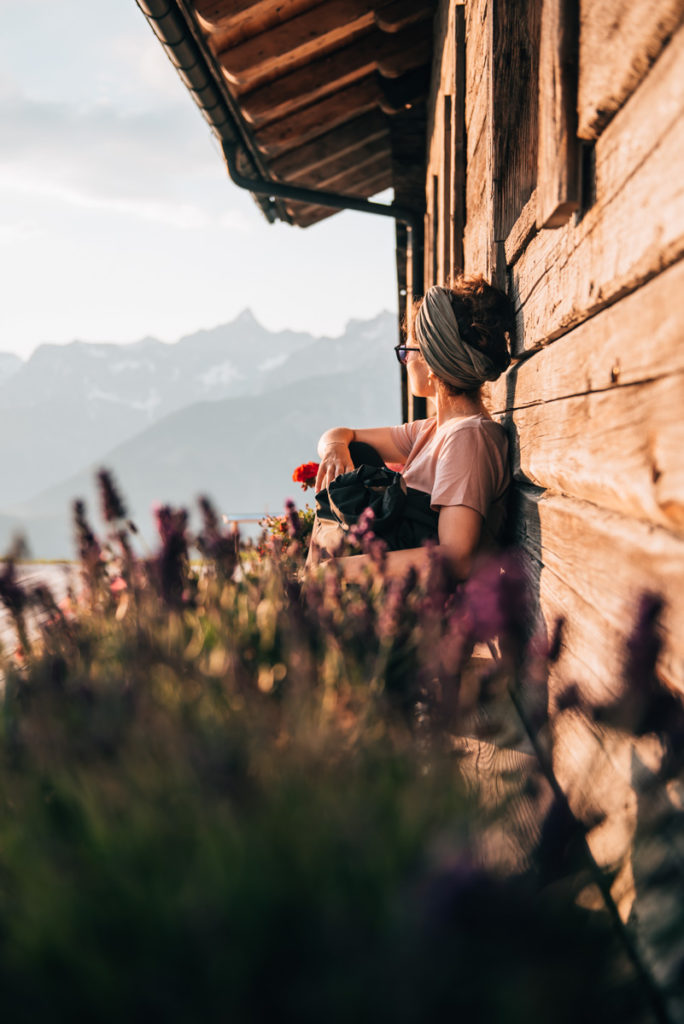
[(306, 474)]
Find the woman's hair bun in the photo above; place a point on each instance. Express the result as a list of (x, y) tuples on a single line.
[(484, 315)]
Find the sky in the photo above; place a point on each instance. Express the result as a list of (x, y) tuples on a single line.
[(117, 217)]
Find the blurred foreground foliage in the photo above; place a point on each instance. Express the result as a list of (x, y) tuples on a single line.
[(229, 794)]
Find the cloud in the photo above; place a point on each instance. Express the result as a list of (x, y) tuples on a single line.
[(155, 164)]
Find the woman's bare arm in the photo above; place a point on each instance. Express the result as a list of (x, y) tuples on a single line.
[(459, 528), (333, 450)]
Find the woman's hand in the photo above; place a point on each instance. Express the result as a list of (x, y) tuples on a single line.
[(335, 460)]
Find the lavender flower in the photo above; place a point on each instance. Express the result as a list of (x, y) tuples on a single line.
[(172, 559), (292, 517), (87, 545), (113, 507)]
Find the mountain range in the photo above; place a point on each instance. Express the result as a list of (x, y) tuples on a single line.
[(227, 412)]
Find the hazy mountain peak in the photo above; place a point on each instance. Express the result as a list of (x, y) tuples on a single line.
[(246, 317)]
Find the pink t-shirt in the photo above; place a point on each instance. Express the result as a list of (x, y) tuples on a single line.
[(463, 462)]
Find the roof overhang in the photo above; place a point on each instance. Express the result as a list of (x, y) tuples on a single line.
[(314, 94)]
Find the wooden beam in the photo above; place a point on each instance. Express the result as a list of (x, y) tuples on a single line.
[(633, 341), (633, 230), (391, 55), (306, 215), (211, 13), (347, 179), (319, 118), (364, 130), (279, 49), (458, 142), (618, 44), (317, 177), (401, 13), (558, 169), (592, 567), (620, 449)]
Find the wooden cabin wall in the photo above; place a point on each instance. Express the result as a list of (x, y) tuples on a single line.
[(594, 404)]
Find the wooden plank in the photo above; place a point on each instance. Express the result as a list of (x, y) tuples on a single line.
[(288, 93), (391, 55), (350, 175), (334, 144), (319, 118), (306, 215), (618, 44), (638, 339), (459, 142), (332, 168), (400, 14), (591, 566), (522, 231), (558, 167), (634, 229), (621, 449), (227, 24), (299, 39)]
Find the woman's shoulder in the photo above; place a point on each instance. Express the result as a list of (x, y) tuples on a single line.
[(475, 429)]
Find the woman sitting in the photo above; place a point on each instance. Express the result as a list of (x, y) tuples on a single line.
[(459, 456)]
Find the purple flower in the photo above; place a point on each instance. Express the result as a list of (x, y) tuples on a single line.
[(292, 519), (86, 542), (113, 507)]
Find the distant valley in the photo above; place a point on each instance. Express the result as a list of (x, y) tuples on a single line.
[(228, 412)]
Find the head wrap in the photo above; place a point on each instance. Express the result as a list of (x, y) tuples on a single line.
[(448, 356)]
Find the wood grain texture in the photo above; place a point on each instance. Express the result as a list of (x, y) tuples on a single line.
[(590, 567), (399, 14), (353, 177), (359, 157), (360, 131), (522, 231), (229, 23), (319, 118), (618, 44), (635, 227), (620, 449), (296, 40), (515, 106), (374, 51), (558, 166), (638, 339)]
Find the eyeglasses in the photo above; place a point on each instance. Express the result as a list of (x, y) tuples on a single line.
[(402, 352)]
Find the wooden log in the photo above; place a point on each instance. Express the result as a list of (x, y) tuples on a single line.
[(590, 567), (294, 41), (522, 231), (459, 138), (638, 339), (348, 176), (374, 51), (319, 118), (284, 95), (618, 44), (634, 229), (399, 14), (227, 24), (621, 449), (359, 157), (558, 167), (361, 131), (306, 215)]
